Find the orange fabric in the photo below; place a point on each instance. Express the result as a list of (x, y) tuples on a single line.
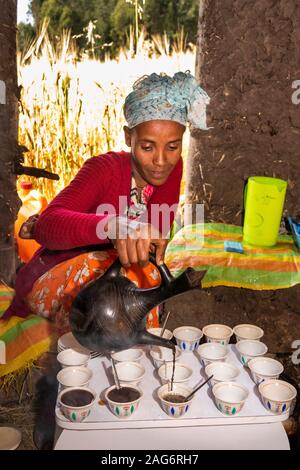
[(33, 204), (53, 293), (42, 331)]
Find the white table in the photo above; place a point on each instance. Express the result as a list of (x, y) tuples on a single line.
[(150, 429), (270, 436)]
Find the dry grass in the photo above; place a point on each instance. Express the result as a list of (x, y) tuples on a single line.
[(21, 417), (72, 110), (16, 398)]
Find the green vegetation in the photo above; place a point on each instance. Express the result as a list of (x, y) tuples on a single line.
[(104, 26)]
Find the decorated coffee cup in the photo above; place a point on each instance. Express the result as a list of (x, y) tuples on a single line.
[(161, 355), (73, 358), (182, 373), (277, 395), (128, 355), (247, 331), (230, 397), (217, 333), (76, 402), (74, 376), (130, 372), (222, 372), (249, 349), (264, 368), (169, 399), (123, 404), (212, 352), (187, 337), (157, 331)]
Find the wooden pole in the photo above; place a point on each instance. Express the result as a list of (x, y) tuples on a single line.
[(9, 200)]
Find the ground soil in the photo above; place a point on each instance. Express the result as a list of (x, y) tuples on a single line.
[(274, 311), (28, 402)]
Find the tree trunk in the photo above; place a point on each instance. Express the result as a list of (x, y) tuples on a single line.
[(248, 62), (9, 201)]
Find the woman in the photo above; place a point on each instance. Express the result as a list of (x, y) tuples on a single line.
[(113, 207)]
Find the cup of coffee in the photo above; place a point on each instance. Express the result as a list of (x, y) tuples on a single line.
[(123, 402), (76, 402), (174, 402)]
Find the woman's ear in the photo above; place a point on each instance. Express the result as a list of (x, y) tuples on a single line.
[(127, 133)]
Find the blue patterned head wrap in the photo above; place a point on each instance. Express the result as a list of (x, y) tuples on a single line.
[(160, 97)]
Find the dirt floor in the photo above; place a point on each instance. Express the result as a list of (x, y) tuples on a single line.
[(16, 408), (21, 416), (29, 403)]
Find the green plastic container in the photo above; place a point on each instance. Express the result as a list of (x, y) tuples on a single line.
[(264, 200)]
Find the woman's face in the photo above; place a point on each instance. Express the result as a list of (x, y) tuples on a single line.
[(156, 148)]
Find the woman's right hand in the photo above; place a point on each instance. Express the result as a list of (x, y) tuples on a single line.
[(134, 240)]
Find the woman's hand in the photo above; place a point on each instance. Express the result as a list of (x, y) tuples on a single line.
[(133, 241)]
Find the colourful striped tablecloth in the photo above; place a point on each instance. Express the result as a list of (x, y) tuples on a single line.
[(22, 339), (202, 247)]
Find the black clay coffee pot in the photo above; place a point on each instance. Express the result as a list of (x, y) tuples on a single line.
[(109, 314)]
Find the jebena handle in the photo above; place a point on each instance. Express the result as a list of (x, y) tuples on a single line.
[(166, 276)]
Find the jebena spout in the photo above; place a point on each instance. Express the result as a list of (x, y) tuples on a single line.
[(144, 337), (188, 280)]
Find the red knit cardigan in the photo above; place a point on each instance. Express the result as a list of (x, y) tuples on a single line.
[(68, 225)]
